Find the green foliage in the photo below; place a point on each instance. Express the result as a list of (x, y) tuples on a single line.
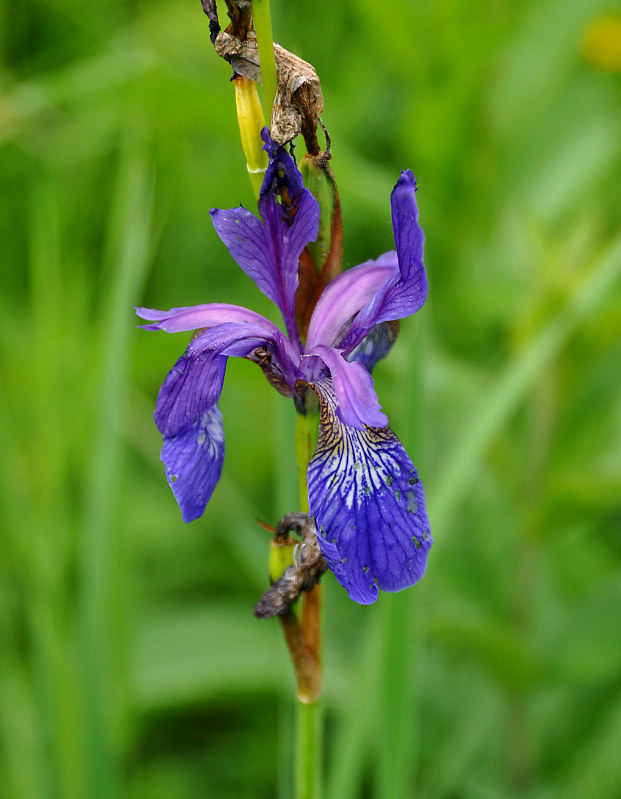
[(131, 666)]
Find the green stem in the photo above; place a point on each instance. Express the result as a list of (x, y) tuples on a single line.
[(308, 751), (305, 443), (265, 43)]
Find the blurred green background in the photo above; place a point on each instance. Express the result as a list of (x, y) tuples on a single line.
[(131, 666)]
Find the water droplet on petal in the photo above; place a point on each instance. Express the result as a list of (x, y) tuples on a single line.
[(412, 502)]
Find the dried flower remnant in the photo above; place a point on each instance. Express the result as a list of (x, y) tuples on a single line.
[(299, 100), (298, 104)]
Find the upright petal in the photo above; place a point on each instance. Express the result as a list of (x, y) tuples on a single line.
[(368, 504), (282, 177), (252, 246), (406, 292), (193, 461), (344, 296), (411, 292), (268, 251)]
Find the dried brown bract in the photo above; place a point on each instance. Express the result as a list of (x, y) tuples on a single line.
[(264, 358), (299, 101), (308, 568)]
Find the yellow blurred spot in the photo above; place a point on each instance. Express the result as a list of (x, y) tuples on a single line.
[(600, 43)]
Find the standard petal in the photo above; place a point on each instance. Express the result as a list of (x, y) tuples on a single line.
[(193, 461), (249, 243), (406, 292), (269, 251), (409, 240), (346, 295), (287, 236), (357, 403), (369, 506)]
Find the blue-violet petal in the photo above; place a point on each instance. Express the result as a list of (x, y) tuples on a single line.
[(356, 401), (346, 295), (406, 292), (368, 504), (194, 383), (193, 461), (268, 251)]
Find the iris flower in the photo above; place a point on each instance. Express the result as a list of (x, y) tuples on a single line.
[(363, 489)]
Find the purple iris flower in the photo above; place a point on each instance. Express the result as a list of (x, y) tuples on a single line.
[(363, 489)]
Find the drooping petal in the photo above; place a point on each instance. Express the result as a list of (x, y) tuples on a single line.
[(186, 411), (194, 384), (193, 461), (357, 403), (368, 504), (406, 292), (196, 317), (346, 295), (268, 251)]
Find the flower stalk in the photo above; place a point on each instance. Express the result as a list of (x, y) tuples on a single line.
[(265, 44), (308, 711), (306, 429), (308, 750)]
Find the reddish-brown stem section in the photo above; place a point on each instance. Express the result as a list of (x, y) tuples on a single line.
[(313, 278), (305, 661), (311, 624)]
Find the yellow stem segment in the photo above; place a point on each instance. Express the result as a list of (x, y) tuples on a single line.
[(251, 122)]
